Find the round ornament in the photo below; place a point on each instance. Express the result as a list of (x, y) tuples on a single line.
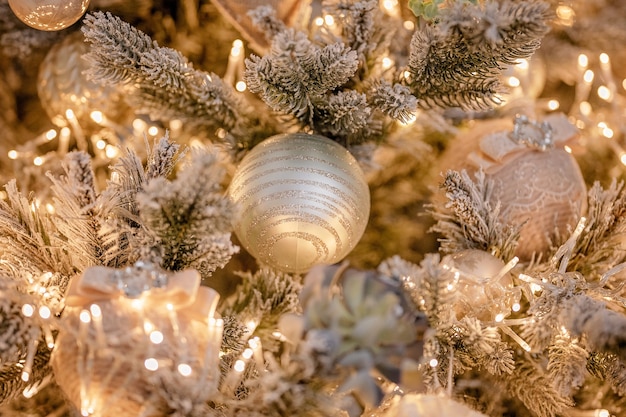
[(49, 15), (62, 86), (303, 199), (431, 405), (536, 182), (138, 342), (484, 289)]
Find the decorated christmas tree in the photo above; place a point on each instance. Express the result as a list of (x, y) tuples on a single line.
[(312, 208)]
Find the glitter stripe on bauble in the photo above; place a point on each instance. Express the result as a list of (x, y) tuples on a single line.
[(303, 200)]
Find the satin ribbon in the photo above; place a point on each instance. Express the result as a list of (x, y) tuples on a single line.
[(182, 291)]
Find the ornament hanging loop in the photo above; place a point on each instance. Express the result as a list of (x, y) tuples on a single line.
[(531, 133)]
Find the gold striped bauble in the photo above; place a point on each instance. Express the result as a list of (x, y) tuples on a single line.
[(303, 201)]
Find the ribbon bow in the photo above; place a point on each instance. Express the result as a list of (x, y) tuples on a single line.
[(181, 290)]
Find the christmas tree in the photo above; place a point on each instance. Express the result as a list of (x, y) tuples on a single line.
[(312, 208)]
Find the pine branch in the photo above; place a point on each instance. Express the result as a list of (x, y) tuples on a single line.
[(263, 297), (456, 62), (264, 18), (188, 221), (395, 101), (356, 20), (567, 364), (608, 367), (428, 289), (529, 384), (296, 74), (598, 245), (80, 215), (28, 239), (467, 220), (604, 329), (163, 83)]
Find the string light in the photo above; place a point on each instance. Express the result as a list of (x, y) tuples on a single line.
[(44, 312), (433, 362), (156, 337), (240, 86), (239, 365), (184, 369), (151, 364), (153, 130), (28, 310), (329, 20), (565, 15), (553, 105), (604, 93)]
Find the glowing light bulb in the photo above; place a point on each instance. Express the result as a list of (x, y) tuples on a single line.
[(13, 154), (156, 337), (329, 20), (84, 316), (604, 93), (44, 312), (101, 144), (239, 365), (153, 130), (319, 21), (514, 81), (433, 362), (151, 364), (38, 161), (583, 61), (387, 62), (184, 369), (588, 76), (28, 310), (553, 105), (95, 310), (51, 134), (516, 307), (240, 86), (499, 317), (97, 116), (247, 353)]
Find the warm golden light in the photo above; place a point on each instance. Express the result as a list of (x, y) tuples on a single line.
[(156, 337), (38, 161), (604, 93), (184, 369), (240, 86), (514, 81), (97, 116), (84, 316), (588, 76), (433, 362), (151, 364), (240, 365), (583, 61), (51, 134), (13, 154), (553, 105), (28, 310), (44, 312), (565, 14)]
